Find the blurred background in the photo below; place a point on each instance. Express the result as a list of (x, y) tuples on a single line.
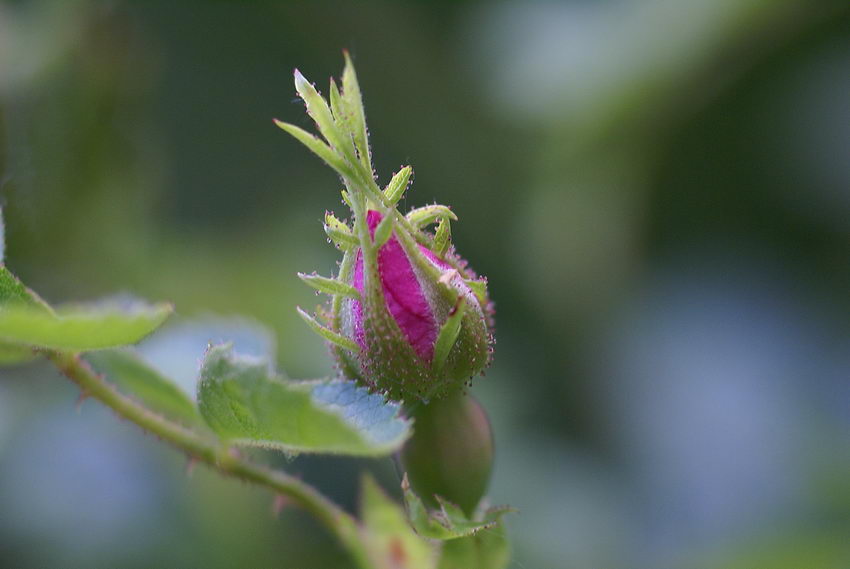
[(658, 191)]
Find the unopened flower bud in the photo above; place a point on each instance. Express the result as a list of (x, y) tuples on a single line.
[(419, 326), (450, 453), (407, 317)]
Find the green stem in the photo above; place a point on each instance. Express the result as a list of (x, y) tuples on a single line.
[(213, 452)]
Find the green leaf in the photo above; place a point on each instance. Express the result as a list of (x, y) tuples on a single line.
[(390, 541), (488, 549), (397, 186), (176, 350), (243, 401), (449, 522), (132, 376), (327, 333), (13, 291), (80, 328), (422, 216), (329, 286)]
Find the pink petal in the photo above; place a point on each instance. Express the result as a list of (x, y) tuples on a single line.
[(404, 296)]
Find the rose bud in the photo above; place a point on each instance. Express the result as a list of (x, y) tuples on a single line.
[(407, 317), (450, 453), (419, 327)]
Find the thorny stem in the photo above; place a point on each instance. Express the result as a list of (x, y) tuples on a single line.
[(213, 452)]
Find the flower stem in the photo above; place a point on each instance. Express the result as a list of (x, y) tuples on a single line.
[(213, 452)]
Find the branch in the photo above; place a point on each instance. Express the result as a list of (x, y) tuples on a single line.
[(213, 452)]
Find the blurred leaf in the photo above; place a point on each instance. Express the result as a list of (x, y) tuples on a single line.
[(176, 350), (822, 548), (485, 550), (2, 238), (390, 541), (79, 328), (13, 291), (11, 354), (135, 378), (246, 403), (449, 522)]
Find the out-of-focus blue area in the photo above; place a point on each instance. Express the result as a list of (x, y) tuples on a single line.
[(658, 191)]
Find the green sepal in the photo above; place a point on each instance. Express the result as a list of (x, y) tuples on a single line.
[(356, 115), (485, 550), (443, 237), (448, 522), (319, 148), (422, 216), (479, 288), (337, 106), (469, 350), (339, 233), (397, 186), (389, 540), (383, 231), (320, 112), (448, 335), (327, 334), (329, 286)]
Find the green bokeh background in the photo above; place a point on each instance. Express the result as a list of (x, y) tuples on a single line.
[(658, 191)]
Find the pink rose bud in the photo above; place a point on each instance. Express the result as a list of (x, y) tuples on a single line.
[(407, 317), (419, 327)]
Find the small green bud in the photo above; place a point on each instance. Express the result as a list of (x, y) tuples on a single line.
[(450, 453)]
